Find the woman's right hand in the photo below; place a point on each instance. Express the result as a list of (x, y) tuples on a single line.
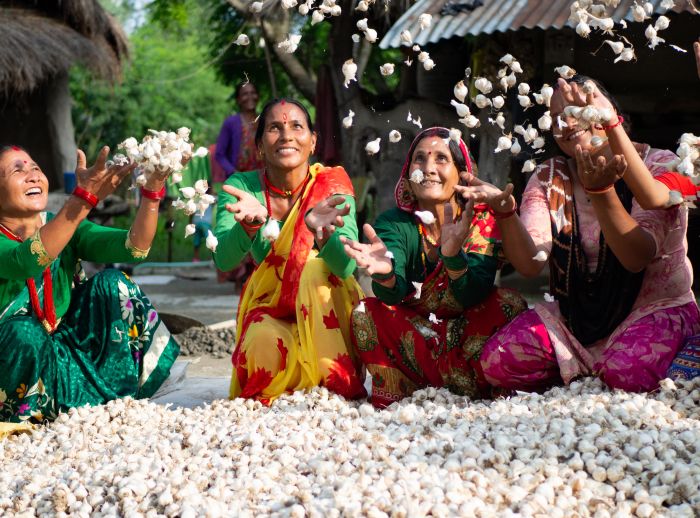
[(372, 256), (248, 209), (99, 179), (483, 192)]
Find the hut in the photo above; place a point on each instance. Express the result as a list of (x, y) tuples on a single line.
[(40, 40)]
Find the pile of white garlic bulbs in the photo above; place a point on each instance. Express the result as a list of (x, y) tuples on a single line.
[(577, 451)]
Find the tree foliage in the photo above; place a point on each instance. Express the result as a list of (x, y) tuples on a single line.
[(169, 83)]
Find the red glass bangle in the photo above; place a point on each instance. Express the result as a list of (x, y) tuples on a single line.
[(153, 195), (86, 196), (620, 120), (505, 215)]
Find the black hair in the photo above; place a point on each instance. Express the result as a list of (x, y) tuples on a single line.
[(239, 87), (266, 110), (458, 158), (11, 147), (580, 79)]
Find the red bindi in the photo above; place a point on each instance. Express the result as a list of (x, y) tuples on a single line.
[(15, 148), (282, 102)]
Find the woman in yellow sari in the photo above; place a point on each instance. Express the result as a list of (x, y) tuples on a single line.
[(293, 328)]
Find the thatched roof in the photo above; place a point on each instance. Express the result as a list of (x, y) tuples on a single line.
[(42, 38)]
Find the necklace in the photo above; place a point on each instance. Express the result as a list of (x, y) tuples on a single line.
[(47, 314), (426, 237), (285, 193)]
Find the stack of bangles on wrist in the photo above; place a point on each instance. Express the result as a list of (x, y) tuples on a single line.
[(599, 190), (620, 120), (153, 195), (249, 227), (505, 215), (86, 196)]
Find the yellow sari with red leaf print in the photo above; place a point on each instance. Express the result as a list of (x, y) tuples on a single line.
[(294, 316)]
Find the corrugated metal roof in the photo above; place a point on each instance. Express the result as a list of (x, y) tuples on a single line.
[(493, 16)]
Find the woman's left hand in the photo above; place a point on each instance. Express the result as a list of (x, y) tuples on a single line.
[(323, 219), (601, 173), (454, 233)]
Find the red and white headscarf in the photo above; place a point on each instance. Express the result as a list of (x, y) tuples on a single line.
[(405, 199)]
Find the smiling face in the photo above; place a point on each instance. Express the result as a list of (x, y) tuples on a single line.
[(568, 137), (440, 175), (287, 142), (247, 98), (24, 189)]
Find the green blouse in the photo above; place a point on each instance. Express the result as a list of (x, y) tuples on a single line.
[(28, 259), (401, 236), (234, 242)]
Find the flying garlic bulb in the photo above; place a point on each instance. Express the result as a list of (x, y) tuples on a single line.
[(504, 143), (291, 44), (667, 4), (626, 55), (271, 231), (406, 38), (256, 7), (662, 23), (549, 298), (362, 6), (588, 87), (565, 71), (417, 176), (347, 120), (507, 59), (545, 122), (386, 69), (355, 38), (462, 109), (304, 9), (481, 101), (541, 256), (583, 29), (529, 166), (426, 217), (461, 91), (425, 20), (317, 17), (428, 64), (189, 230), (483, 85), (211, 242), (515, 148), (638, 13), (349, 70), (500, 121), (394, 136), (362, 24), (371, 35), (372, 147), (538, 143), (498, 102), (523, 88), (616, 46), (242, 40), (516, 68), (176, 177), (525, 101), (288, 4), (547, 92), (654, 40), (422, 56), (470, 121)]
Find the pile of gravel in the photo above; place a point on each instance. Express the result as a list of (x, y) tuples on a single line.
[(577, 451), (196, 341)]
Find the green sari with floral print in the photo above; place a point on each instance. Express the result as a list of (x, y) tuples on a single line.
[(109, 341)]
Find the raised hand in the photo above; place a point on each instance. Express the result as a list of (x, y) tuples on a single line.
[(247, 209), (372, 256), (601, 173), (574, 95), (453, 234), (483, 192), (323, 219), (99, 179)]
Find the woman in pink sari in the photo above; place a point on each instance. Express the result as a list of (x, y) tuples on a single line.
[(619, 274)]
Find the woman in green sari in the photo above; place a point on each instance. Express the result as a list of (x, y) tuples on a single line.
[(66, 341)]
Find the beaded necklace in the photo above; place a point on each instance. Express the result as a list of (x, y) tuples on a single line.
[(47, 314)]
